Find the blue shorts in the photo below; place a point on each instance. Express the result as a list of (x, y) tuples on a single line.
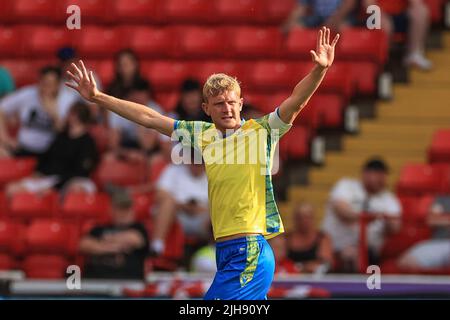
[(245, 269)]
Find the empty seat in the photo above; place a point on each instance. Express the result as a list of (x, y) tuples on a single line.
[(150, 42), (11, 42), (142, 203), (28, 205), (273, 75), (295, 143), (7, 262), (418, 179), (12, 169), (339, 80), (23, 73), (239, 11), (439, 150), (265, 103), (41, 266), (51, 237), (363, 44), (168, 100), (416, 209), (92, 11), (166, 75), (86, 206), (188, 11), (365, 75), (229, 67), (31, 11), (104, 69), (12, 237), (99, 42), (254, 42), (45, 40), (276, 12), (436, 10), (328, 109), (197, 42), (6, 12), (100, 135), (121, 173), (300, 42), (137, 11)]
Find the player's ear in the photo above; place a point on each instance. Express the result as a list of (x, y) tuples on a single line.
[(241, 104), (206, 109)]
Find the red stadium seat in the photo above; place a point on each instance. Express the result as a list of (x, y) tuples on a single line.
[(6, 12), (92, 11), (101, 138), (416, 209), (365, 76), (86, 206), (138, 11), (22, 71), (166, 75), (229, 67), (40, 266), (157, 166), (254, 42), (51, 237), (12, 169), (436, 10), (174, 248), (100, 42), (31, 11), (439, 150), (142, 203), (418, 179), (300, 42), (295, 143), (104, 69), (168, 100), (12, 236), (362, 44), (276, 12), (27, 205), (45, 40), (329, 109), (339, 80), (150, 42), (189, 11), (273, 75), (11, 42), (119, 172), (266, 103), (198, 42), (239, 11), (7, 262)]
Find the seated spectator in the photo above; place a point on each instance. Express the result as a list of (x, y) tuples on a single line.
[(413, 17), (117, 250), (309, 248), (42, 111), (182, 193), (127, 75), (348, 200), (316, 13), (127, 136), (6, 82), (433, 253), (283, 264), (189, 106), (68, 162)]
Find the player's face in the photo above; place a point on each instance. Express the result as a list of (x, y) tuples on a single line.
[(225, 110)]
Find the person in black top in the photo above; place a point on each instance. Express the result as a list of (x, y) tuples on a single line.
[(309, 248), (117, 250), (68, 162)]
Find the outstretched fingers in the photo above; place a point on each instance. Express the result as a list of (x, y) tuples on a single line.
[(335, 40), (83, 68), (77, 71)]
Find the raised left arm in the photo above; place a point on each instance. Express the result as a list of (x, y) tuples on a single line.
[(323, 57)]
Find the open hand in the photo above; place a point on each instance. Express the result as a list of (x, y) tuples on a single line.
[(324, 54), (83, 82)]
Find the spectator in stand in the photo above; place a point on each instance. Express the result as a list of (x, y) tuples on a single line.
[(127, 75), (68, 162), (348, 200), (182, 193), (6, 82), (127, 136), (435, 252), (334, 14), (310, 248), (189, 106), (117, 250), (42, 111), (413, 17), (283, 264)]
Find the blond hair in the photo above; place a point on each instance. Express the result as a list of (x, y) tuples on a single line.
[(218, 83)]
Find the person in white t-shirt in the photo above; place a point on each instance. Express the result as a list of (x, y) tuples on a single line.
[(351, 197), (41, 109), (182, 191)]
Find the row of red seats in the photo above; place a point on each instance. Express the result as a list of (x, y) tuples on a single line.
[(439, 150), (189, 42), (162, 11), (418, 179), (149, 11)]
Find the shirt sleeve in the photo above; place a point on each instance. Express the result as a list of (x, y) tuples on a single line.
[(341, 191), (167, 180), (189, 132), (273, 123), (13, 102), (393, 207)]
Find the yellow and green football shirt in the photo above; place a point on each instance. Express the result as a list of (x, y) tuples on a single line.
[(238, 166)]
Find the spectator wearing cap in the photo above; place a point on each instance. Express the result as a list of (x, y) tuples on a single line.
[(116, 250), (189, 106), (348, 199)]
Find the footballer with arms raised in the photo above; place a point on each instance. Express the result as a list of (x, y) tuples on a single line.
[(241, 199)]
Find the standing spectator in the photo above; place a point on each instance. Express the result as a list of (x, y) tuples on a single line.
[(412, 16), (315, 13), (42, 111), (348, 200), (182, 193), (310, 248), (190, 105), (68, 162), (6, 82), (435, 252), (127, 75), (117, 250)]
